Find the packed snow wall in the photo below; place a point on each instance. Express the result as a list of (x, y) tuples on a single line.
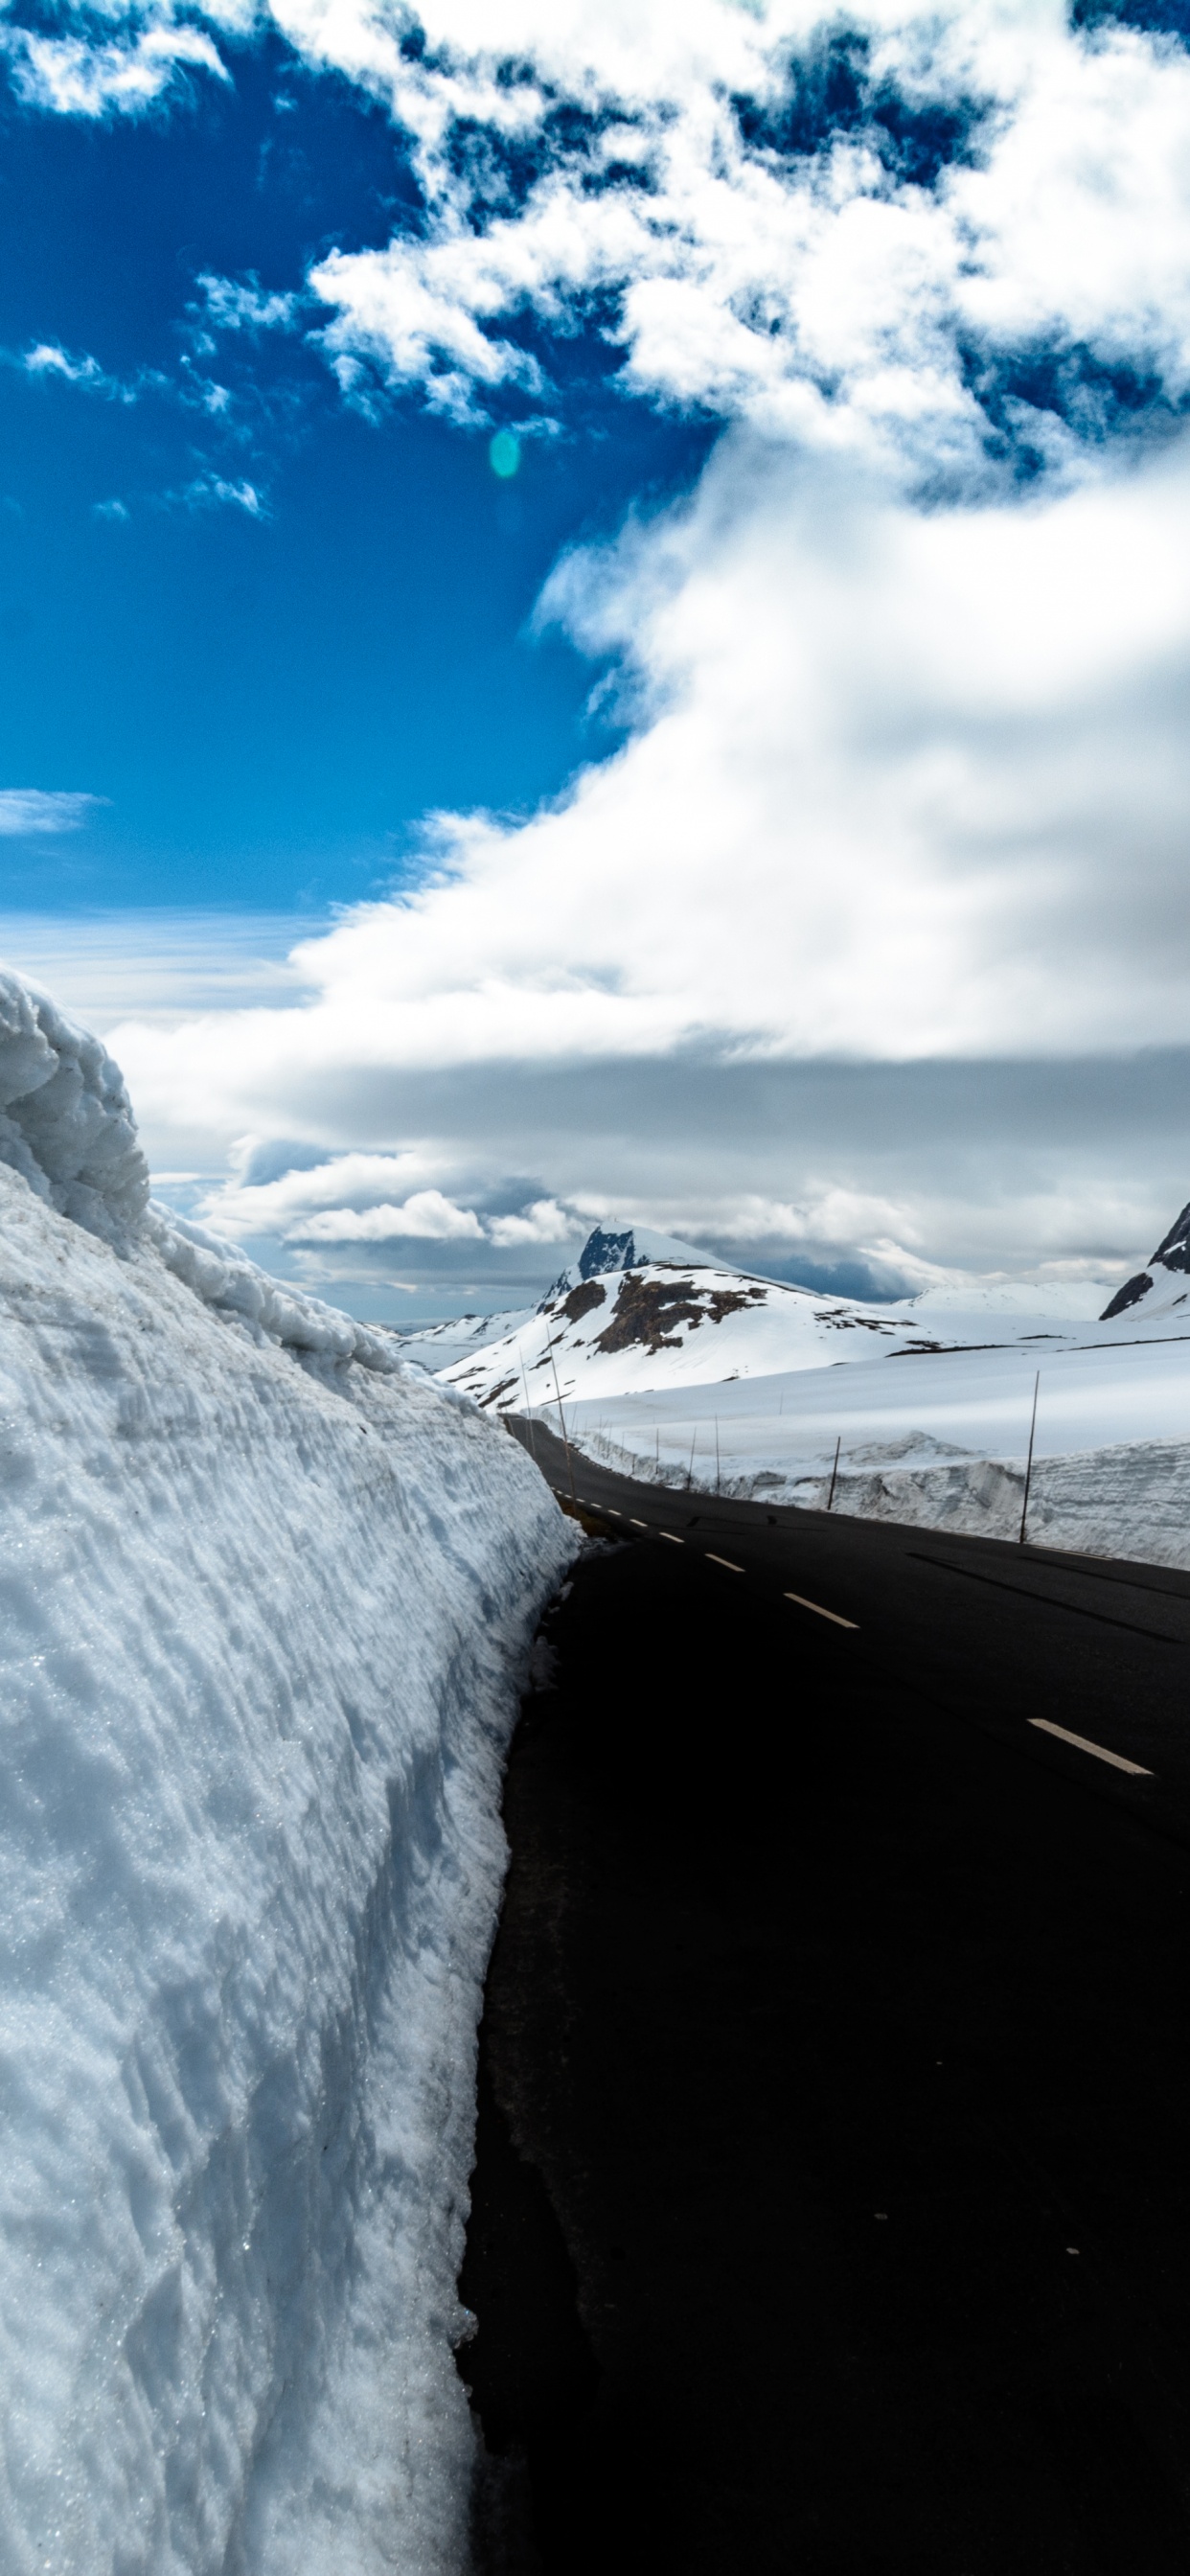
[(265, 1593)]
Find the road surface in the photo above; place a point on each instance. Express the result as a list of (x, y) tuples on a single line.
[(832, 2205)]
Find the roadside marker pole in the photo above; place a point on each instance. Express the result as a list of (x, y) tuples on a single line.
[(562, 1420), (1029, 1461), (716, 1453), (529, 1411), (690, 1468), (834, 1472)]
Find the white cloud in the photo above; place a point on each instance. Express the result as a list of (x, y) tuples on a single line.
[(426, 1217), (347, 1181), (40, 809), (53, 363), (242, 304), (47, 359), (825, 295), (910, 785), (82, 76), (543, 1222), (909, 773), (213, 492)]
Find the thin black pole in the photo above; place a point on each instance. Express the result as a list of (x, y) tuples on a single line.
[(690, 1468), (716, 1453), (528, 1409), (1029, 1460), (834, 1472), (562, 1420)]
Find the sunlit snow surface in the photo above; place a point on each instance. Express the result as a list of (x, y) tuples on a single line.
[(265, 1596), (710, 1379), (940, 1439)]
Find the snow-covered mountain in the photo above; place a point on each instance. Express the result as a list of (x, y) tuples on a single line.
[(266, 1593), (437, 1347), (606, 1250), (640, 1309), (1164, 1287), (671, 1323)]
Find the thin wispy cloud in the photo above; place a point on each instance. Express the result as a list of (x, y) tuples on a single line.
[(38, 809), (211, 491), (57, 365)]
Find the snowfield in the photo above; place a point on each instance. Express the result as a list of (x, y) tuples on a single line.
[(939, 1439), (638, 1311), (266, 1596), (689, 1374)]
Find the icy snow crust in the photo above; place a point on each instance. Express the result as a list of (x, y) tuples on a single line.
[(265, 1600)]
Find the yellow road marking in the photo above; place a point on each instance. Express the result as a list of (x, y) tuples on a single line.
[(819, 1612), (1100, 1751)]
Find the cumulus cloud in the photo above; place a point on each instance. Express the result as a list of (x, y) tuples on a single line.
[(359, 1181), (908, 784), (543, 1222), (426, 1217), (907, 775)]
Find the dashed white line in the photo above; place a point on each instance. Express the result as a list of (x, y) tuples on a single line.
[(724, 1560), (1118, 1761), (673, 1539), (637, 1524), (819, 1612)]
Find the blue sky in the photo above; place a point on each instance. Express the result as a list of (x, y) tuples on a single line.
[(763, 815), (269, 698)]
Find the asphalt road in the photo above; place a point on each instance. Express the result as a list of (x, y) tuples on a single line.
[(832, 2202)]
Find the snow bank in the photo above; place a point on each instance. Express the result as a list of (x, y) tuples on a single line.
[(938, 1440), (265, 1595)]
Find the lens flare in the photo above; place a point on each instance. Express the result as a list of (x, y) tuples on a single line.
[(504, 454)]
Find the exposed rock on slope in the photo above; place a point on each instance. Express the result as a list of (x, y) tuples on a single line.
[(1164, 1284)]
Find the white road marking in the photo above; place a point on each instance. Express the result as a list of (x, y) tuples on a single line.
[(819, 1612), (1139, 1770), (637, 1524), (674, 1542), (724, 1560)]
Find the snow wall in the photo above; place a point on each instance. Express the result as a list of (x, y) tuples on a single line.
[(266, 1596)]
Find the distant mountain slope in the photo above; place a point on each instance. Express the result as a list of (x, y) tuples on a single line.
[(678, 1323), (438, 1346), (1166, 1282)]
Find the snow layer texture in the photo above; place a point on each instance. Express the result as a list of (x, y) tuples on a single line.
[(266, 1596)]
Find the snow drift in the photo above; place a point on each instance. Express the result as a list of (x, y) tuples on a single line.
[(265, 1595)]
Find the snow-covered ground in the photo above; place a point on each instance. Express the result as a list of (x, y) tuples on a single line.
[(940, 1439), (266, 1593), (703, 1376), (438, 1347), (671, 1324)]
